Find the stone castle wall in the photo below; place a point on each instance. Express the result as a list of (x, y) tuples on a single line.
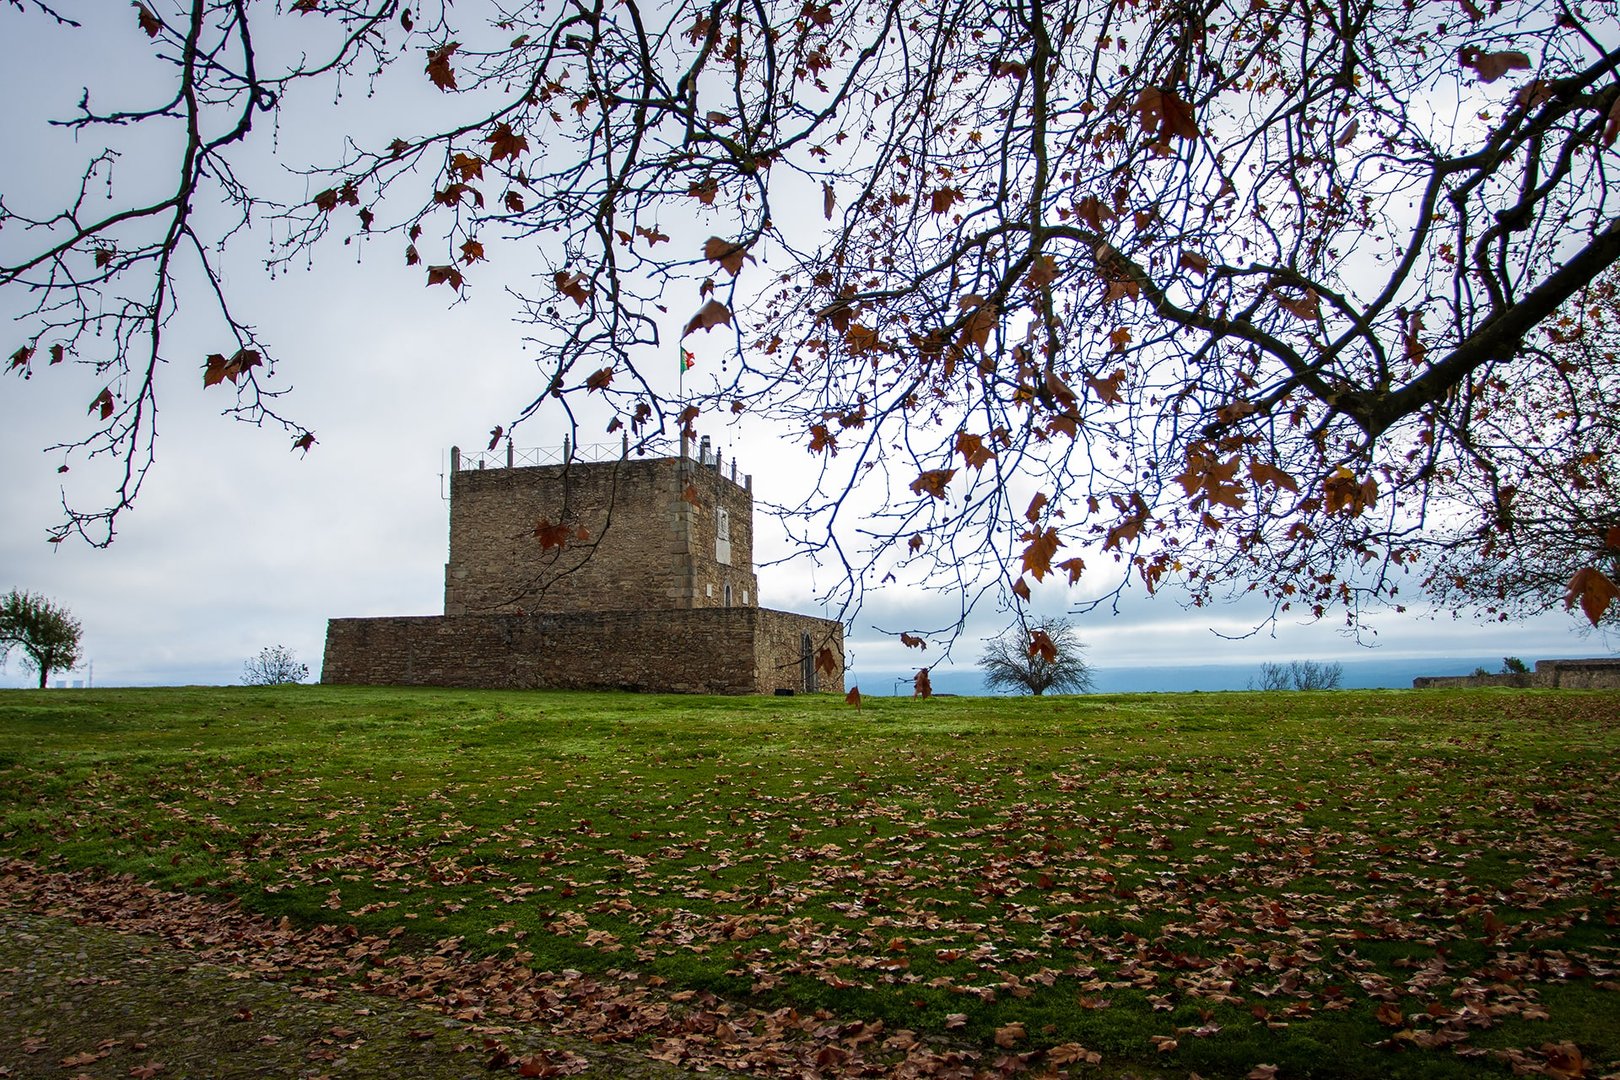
[(704, 650), (1548, 675), (652, 538)]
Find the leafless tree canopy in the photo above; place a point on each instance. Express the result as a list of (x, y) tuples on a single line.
[(1046, 655), (1274, 297)]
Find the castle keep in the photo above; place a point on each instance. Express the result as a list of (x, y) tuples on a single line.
[(631, 574)]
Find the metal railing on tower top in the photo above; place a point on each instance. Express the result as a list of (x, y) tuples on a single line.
[(511, 457)]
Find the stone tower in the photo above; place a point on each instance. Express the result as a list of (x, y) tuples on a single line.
[(651, 588), (642, 534)]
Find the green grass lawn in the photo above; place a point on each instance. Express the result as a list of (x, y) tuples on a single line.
[(1338, 884)]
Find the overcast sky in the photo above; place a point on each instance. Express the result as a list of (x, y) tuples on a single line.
[(238, 543)]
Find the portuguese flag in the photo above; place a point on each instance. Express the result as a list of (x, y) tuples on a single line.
[(687, 361)]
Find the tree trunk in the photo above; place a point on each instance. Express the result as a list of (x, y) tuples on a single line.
[(44, 673)]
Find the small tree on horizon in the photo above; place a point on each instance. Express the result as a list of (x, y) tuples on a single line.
[(276, 665), (1035, 658), (1300, 675), (47, 633)]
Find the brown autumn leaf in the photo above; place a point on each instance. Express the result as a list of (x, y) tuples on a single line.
[(828, 200), (704, 191), (514, 201), (148, 21), (826, 661), (58, 352), (438, 66), (1040, 546), (1593, 590), (1191, 260), (1107, 390), (1492, 66), (599, 380), (652, 235), (452, 193), (304, 441), (326, 201), (932, 482), (467, 166), (1036, 505), (976, 331), (1009, 1035), (922, 687), (1208, 479), (495, 434), (1307, 307), (217, 369), (551, 535), (1042, 272), (973, 450), (823, 440), (1020, 589), (1164, 1044), (1075, 567), (104, 255), (412, 256), (505, 144), (1271, 476), (20, 358), (103, 402), (853, 697), (471, 251), (709, 316), (1059, 391), (940, 201), (912, 641), (1072, 1053), (1414, 347), (444, 275), (1041, 645), (1348, 135), (728, 254), (1345, 493), (1165, 114), (574, 286)]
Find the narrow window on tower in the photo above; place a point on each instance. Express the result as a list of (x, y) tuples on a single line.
[(722, 537)]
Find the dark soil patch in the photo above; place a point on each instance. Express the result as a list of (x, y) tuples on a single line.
[(85, 1001)]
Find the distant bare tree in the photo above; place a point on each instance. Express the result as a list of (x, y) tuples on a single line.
[(276, 665), (1036, 658), (1299, 675)]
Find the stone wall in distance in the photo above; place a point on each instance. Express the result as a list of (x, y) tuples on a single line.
[(704, 650), (1599, 674)]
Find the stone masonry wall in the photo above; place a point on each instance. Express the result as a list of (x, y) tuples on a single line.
[(781, 652), (706, 651), (1549, 675), (651, 528)]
